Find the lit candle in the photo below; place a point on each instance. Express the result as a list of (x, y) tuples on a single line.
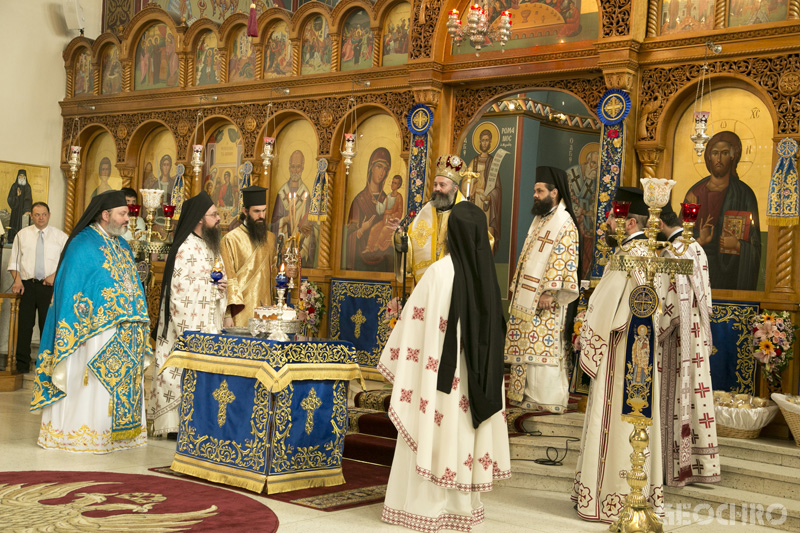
[(689, 212), (292, 200), (169, 211), (133, 210), (281, 280), (621, 209)]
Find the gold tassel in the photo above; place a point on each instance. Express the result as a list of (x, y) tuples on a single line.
[(110, 406), (86, 377)]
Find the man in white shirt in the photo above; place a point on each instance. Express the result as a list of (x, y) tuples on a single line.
[(33, 262), (131, 198)]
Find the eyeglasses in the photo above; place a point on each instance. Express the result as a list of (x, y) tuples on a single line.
[(213, 215)]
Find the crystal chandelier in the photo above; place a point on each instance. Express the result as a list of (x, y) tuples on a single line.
[(477, 28)]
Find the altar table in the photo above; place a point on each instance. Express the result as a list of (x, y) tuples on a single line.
[(262, 415)]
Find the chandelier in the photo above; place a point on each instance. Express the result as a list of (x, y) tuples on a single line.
[(700, 137), (478, 29)]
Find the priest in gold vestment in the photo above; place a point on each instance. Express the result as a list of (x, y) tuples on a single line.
[(248, 253), (428, 232)]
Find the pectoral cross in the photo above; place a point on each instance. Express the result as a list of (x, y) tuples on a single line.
[(224, 396), (358, 319), (545, 240), (310, 404)]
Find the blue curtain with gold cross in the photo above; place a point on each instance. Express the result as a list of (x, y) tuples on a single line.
[(357, 315), (733, 367)]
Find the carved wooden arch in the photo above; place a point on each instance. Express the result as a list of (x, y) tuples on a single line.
[(423, 34), (151, 14), (345, 8), (134, 146), (269, 18), (101, 42), (679, 101), (772, 75), (197, 30), (303, 16), (615, 17), (228, 29), (75, 48), (84, 137), (470, 102), (210, 122), (384, 7), (281, 119)]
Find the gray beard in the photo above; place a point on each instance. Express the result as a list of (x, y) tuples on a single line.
[(443, 201), (22, 181)]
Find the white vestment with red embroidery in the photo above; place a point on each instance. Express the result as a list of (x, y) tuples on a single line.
[(689, 431), (195, 304), (441, 462), (600, 480)]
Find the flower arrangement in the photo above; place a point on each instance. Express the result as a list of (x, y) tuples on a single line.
[(576, 330), (313, 306), (773, 336), (392, 312)]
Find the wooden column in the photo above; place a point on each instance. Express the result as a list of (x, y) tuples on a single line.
[(9, 379)]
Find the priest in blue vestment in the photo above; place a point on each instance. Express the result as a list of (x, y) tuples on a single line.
[(94, 348)]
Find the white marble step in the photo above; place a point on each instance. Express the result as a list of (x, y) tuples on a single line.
[(761, 478), (769, 451), (682, 502), (536, 447), (531, 475), (567, 425)]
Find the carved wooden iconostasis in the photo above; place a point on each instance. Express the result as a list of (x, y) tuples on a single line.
[(135, 93)]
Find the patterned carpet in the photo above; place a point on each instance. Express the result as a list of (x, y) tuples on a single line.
[(102, 501)]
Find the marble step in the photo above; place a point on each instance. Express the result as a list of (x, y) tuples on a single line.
[(566, 425), (536, 447), (701, 500), (769, 451), (531, 475), (760, 478)]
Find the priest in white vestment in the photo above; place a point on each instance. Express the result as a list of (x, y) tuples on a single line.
[(600, 484), (445, 360), (190, 300), (539, 334), (95, 346), (689, 431)]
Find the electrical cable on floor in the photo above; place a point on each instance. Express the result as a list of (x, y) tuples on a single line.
[(552, 452)]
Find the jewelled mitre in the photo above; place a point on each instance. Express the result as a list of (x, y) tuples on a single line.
[(450, 166)]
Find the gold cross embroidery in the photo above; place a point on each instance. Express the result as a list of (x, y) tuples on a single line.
[(224, 396), (310, 404), (612, 107), (420, 233), (545, 240), (358, 319)]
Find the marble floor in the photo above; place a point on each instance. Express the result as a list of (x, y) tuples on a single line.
[(507, 510)]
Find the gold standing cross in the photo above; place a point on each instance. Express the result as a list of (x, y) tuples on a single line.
[(358, 319), (310, 404), (224, 396)]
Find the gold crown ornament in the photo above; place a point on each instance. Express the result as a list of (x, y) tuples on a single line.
[(450, 166)]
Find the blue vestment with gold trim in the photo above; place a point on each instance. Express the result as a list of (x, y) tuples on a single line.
[(97, 288)]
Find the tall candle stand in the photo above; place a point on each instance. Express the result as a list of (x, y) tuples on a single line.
[(637, 514), (151, 240)]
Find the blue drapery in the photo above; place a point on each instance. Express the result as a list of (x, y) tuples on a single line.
[(357, 316), (733, 367)]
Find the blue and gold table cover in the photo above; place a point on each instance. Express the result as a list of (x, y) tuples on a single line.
[(256, 412)]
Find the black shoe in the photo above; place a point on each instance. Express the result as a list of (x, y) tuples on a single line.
[(172, 436)]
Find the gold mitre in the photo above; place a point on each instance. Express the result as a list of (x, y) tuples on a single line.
[(450, 166)]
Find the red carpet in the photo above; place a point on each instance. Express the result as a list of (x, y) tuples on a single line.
[(101, 501), (365, 484)]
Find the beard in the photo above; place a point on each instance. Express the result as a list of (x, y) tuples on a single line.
[(212, 236), (443, 201), (257, 229), (542, 207), (22, 181), (116, 230)]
